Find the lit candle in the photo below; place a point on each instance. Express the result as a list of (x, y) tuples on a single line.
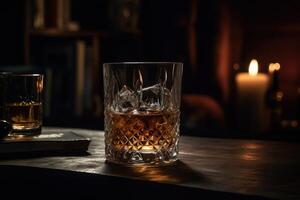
[(251, 91)]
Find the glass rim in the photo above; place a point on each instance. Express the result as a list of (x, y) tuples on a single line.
[(140, 63)]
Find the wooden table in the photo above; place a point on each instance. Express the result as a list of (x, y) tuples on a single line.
[(214, 168)]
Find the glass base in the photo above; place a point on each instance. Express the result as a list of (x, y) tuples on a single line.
[(19, 133), (133, 158)]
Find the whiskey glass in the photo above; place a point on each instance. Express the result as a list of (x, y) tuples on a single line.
[(142, 112), (22, 104)]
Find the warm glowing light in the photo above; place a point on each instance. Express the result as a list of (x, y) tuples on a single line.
[(274, 67), (271, 67), (39, 84), (279, 96), (253, 67)]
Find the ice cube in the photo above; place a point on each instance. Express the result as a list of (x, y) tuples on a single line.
[(152, 98), (126, 100), (167, 99)]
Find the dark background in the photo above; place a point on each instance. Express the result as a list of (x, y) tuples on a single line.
[(214, 39)]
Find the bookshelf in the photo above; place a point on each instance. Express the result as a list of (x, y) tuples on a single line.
[(85, 49), (71, 61)]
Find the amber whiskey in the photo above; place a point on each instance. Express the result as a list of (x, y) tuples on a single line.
[(140, 136), (25, 116)]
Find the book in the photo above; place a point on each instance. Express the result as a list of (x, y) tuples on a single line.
[(80, 76), (39, 14), (88, 81), (56, 13), (47, 142)]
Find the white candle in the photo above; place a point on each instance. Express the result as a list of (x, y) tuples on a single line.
[(251, 91)]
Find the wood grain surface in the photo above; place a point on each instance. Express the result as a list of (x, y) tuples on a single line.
[(250, 168)]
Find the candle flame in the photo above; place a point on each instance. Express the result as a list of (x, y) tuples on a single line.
[(274, 67), (253, 67)]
